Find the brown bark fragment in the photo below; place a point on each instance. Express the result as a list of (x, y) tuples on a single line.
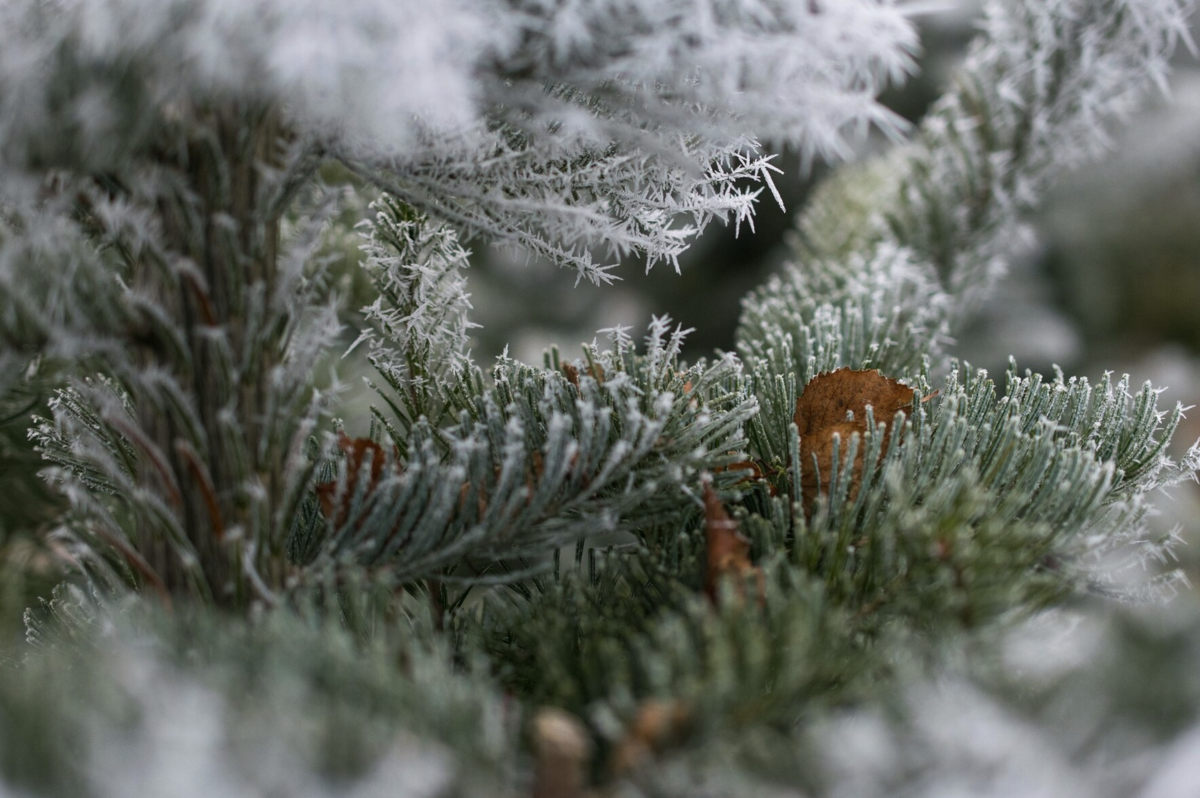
[(727, 548)]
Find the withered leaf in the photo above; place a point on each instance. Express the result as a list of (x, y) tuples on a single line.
[(727, 548), (828, 397), (594, 370), (835, 403), (571, 373)]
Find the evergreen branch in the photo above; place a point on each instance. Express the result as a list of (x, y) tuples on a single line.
[(934, 222), (540, 460)]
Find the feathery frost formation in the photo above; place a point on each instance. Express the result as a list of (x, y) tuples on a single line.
[(557, 127), (624, 543), (422, 306)]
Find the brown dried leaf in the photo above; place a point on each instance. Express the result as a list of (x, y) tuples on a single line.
[(835, 403), (827, 398), (594, 370), (814, 479), (728, 549)]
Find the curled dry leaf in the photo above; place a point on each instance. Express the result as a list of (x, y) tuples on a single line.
[(727, 548), (657, 726), (571, 373), (594, 370), (835, 404)]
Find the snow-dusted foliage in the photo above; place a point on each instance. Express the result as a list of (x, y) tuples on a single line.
[(893, 255), (615, 442), (389, 612), (1039, 96), (363, 70), (325, 718), (922, 233), (555, 126), (1070, 705), (381, 75), (171, 146), (691, 84), (418, 333)]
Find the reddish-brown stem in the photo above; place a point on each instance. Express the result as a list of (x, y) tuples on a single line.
[(204, 482)]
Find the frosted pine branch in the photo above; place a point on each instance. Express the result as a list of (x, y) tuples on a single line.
[(419, 335), (1035, 97), (613, 443), (378, 77), (892, 255), (393, 611), (622, 202)]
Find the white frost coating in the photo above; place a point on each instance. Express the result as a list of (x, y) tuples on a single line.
[(1178, 770), (364, 69), (793, 70), (187, 742), (556, 127), (361, 70), (376, 70), (421, 334), (1077, 726)]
